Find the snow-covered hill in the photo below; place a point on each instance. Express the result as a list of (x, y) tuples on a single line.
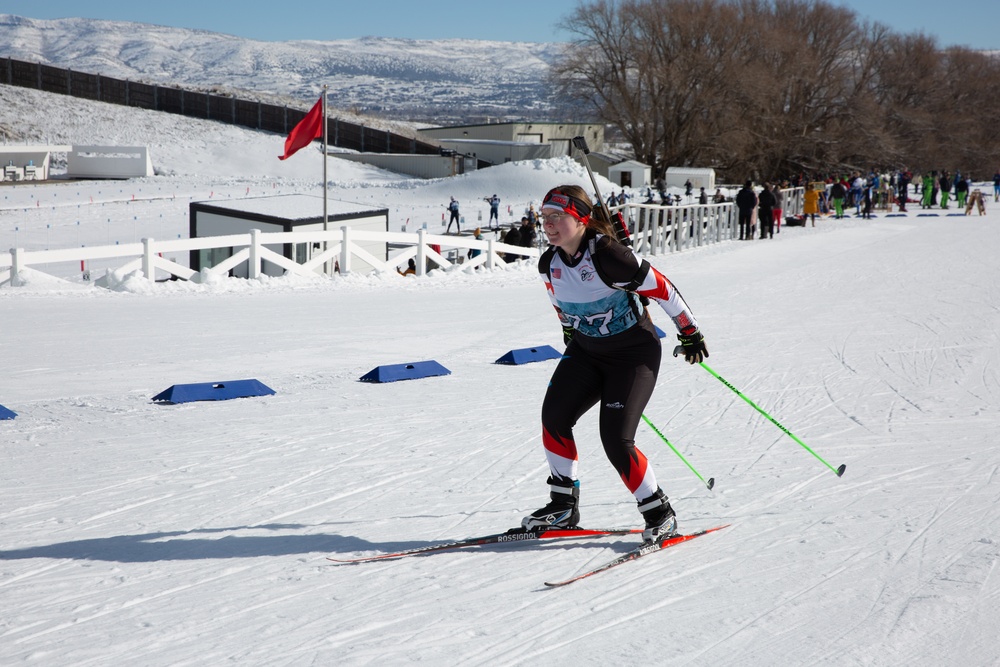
[(437, 81)]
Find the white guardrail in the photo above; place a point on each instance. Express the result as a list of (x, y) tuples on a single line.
[(342, 250), (656, 230)]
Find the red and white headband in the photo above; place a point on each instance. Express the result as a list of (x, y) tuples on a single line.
[(577, 208)]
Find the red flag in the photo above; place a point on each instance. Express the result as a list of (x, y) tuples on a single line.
[(309, 128)]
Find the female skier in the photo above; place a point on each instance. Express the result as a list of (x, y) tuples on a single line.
[(599, 289)]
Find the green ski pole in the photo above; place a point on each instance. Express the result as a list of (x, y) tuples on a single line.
[(711, 480), (839, 471)]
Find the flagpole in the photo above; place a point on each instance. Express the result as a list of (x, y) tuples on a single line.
[(325, 216)]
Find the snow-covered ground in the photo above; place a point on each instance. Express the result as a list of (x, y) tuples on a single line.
[(197, 534)]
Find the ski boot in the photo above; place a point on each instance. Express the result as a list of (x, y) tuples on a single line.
[(562, 511), (659, 516)]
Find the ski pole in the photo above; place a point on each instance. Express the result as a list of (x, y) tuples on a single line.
[(711, 480), (839, 471), (621, 230)]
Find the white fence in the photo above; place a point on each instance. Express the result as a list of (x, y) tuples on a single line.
[(660, 229), (342, 251), (657, 229)]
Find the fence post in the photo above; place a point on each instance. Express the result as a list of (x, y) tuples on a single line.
[(253, 271), (668, 230), (147, 260), (15, 266), (674, 229), (345, 251), (491, 258), (421, 259), (685, 218), (655, 218)]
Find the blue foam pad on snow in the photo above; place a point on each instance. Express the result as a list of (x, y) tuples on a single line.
[(927, 215), (659, 332), (411, 371), (213, 391), (6, 414), (526, 355)]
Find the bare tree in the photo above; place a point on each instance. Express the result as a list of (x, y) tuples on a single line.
[(769, 87)]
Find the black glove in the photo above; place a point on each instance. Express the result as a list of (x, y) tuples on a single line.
[(692, 347), (567, 334)]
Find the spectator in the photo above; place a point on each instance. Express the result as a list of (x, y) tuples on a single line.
[(411, 268), (902, 189), (961, 191), (703, 197), (430, 264), (527, 233), (661, 187), (810, 205), (927, 189), (453, 208), (718, 197), (765, 212), (996, 186), (857, 187), (837, 193), (945, 183), (866, 200), (475, 252), (513, 237), (688, 188), (779, 198), (746, 202)]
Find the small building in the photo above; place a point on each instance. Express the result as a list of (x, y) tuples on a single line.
[(281, 213), (27, 163), (499, 152), (109, 162), (700, 178), (630, 174), (448, 163), (557, 135), (31, 163)]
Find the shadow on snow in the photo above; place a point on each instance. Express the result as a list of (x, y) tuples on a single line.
[(180, 545)]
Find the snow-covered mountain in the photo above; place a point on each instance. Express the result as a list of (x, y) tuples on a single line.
[(439, 81)]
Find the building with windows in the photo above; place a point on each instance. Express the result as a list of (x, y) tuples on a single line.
[(497, 143)]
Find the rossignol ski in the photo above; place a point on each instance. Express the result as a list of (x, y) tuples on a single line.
[(644, 549), (512, 535)]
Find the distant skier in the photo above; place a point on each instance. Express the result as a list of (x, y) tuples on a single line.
[(494, 203), (453, 208)]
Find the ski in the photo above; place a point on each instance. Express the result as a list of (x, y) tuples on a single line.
[(644, 549), (512, 535)]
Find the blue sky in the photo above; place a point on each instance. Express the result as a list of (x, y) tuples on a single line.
[(974, 23)]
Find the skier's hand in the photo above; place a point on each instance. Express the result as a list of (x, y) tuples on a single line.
[(692, 347), (567, 334)]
